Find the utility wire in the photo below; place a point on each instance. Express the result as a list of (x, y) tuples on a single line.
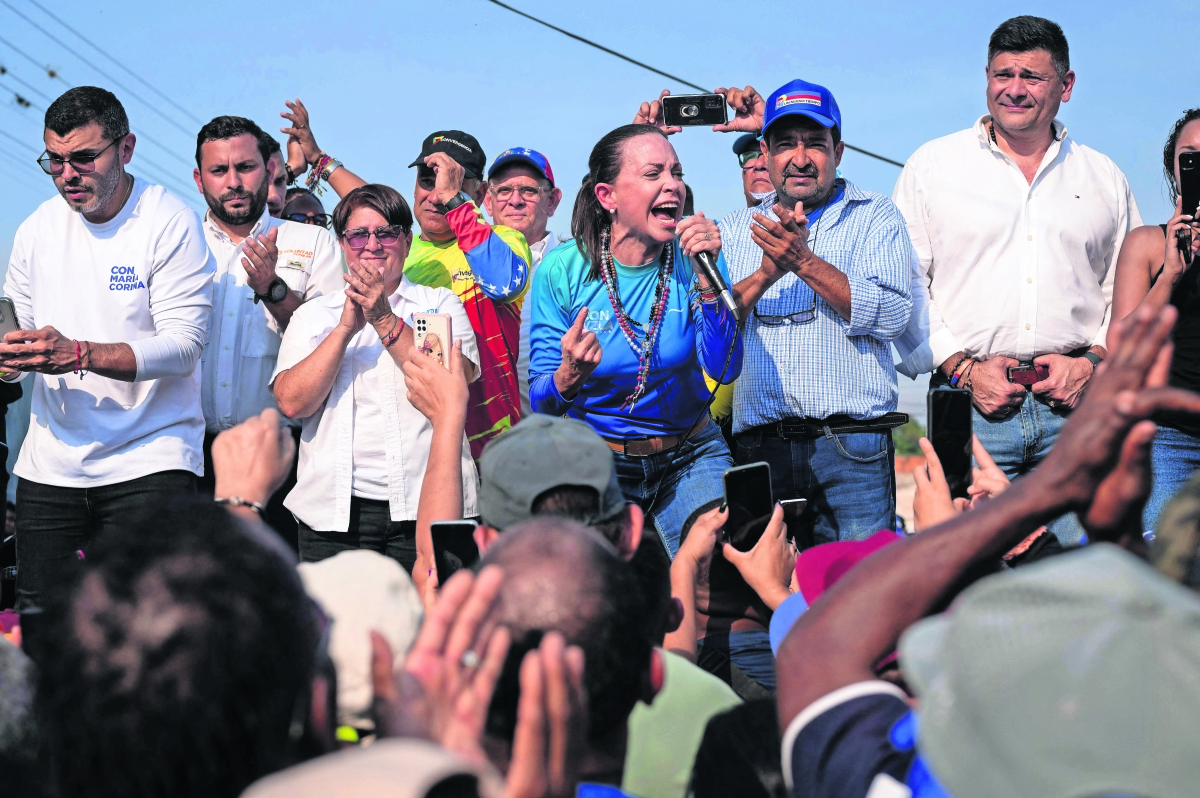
[(17, 141), (50, 71), (8, 73), (96, 47), (635, 62), (102, 73)]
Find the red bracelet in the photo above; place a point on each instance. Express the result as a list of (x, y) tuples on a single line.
[(393, 334)]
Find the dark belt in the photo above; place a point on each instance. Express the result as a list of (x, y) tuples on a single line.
[(644, 447), (792, 429)]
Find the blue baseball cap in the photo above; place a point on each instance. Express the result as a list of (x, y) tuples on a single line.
[(524, 155), (747, 142), (801, 97)]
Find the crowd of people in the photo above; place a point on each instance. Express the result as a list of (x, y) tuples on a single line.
[(246, 431)]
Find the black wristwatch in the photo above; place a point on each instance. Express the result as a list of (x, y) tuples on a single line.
[(455, 201), (277, 291), (1094, 359)]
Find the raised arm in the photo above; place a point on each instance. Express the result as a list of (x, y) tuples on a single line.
[(1098, 455), (303, 151)]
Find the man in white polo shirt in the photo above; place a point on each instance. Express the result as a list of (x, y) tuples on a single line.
[(1017, 229), (266, 268), (112, 285)]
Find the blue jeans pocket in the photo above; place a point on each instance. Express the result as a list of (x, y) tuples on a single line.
[(860, 447)]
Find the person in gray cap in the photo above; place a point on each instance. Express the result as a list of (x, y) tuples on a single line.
[(550, 465), (756, 180)]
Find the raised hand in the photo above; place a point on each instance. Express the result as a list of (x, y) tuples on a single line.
[(297, 114), (651, 113), (748, 109), (449, 176), (259, 256), (366, 288), (785, 241), (769, 567), (252, 459), (439, 393), (698, 233), (581, 353)]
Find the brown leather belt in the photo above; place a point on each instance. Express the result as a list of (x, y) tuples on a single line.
[(644, 447)]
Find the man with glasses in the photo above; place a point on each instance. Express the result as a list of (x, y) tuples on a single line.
[(756, 181), (112, 287), (521, 194), (821, 272), (303, 206), (266, 268)]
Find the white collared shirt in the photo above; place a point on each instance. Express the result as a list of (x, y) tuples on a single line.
[(244, 339), (1005, 266), (324, 482), (539, 250)]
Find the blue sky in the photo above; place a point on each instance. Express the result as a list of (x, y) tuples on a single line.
[(378, 77)]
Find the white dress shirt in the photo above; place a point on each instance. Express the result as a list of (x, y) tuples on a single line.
[(1005, 266), (324, 482), (539, 250), (144, 278), (244, 339)]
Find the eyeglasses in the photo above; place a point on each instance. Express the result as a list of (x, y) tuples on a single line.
[(386, 236), (746, 158), (528, 193), (83, 164), (801, 317), (318, 219)]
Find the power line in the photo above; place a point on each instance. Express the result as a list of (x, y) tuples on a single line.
[(17, 141), (50, 71), (635, 62), (102, 73), (7, 72), (96, 47)]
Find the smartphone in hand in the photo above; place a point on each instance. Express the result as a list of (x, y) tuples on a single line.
[(453, 547), (748, 497), (950, 427), (684, 110)]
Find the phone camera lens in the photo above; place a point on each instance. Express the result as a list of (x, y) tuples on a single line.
[(689, 111)]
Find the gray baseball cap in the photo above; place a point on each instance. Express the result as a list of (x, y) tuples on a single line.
[(1079, 676), (540, 453)]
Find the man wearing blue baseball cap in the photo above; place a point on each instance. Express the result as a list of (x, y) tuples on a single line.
[(821, 273), (521, 194)]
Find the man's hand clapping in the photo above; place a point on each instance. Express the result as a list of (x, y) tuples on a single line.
[(259, 256), (783, 242), (581, 353)]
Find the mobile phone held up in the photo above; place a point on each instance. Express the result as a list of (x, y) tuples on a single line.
[(748, 497), (432, 336), (453, 547), (8, 317), (949, 416), (1189, 191), (684, 110)]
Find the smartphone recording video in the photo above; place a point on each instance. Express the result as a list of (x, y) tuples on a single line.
[(949, 416), (748, 497), (684, 110)]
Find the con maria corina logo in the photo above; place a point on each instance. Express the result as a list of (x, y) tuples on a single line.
[(124, 278)]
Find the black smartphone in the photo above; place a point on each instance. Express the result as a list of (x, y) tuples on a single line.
[(949, 417), (683, 110), (1189, 181), (502, 711), (748, 497), (453, 547)]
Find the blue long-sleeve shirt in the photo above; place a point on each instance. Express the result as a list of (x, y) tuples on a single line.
[(693, 336)]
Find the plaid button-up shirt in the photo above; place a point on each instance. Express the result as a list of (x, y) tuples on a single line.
[(828, 365)]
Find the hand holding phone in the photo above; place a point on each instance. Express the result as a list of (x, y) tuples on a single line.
[(432, 336), (453, 547), (687, 110), (748, 497)]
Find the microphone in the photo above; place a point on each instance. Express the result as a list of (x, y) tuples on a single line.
[(711, 273)]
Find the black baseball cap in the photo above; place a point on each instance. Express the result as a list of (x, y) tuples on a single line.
[(462, 147)]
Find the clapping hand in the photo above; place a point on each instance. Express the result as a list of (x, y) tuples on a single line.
[(367, 290), (259, 256), (301, 133), (748, 108), (581, 353)]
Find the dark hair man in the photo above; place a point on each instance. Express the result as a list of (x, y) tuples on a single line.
[(277, 194), (487, 267), (112, 283), (185, 658), (521, 194), (756, 179), (1017, 229), (266, 268), (821, 271)]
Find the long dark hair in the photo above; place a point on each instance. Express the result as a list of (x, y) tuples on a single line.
[(589, 221), (1189, 116)]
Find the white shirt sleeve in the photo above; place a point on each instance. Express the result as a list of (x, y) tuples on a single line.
[(327, 267), (1128, 218), (180, 286), (927, 342), (301, 338)]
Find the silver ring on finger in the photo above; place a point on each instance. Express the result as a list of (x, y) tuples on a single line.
[(706, 237), (470, 659)]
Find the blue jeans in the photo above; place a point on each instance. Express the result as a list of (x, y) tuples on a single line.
[(1175, 456), (849, 480), (684, 480), (749, 650), (1019, 442)]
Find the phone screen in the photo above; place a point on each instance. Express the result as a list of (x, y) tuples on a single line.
[(748, 496), (453, 547), (949, 416)]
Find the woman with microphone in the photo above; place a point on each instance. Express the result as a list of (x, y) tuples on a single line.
[(625, 324)]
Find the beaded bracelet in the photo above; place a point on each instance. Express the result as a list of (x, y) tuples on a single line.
[(313, 181), (959, 371), (392, 334)]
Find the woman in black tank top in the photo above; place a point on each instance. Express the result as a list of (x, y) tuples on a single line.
[(1152, 270)]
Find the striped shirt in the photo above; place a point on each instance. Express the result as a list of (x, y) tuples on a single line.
[(826, 366)]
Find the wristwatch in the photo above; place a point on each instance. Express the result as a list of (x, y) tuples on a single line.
[(1095, 359), (277, 291), (455, 201)]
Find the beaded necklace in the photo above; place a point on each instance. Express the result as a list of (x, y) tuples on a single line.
[(631, 329)]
